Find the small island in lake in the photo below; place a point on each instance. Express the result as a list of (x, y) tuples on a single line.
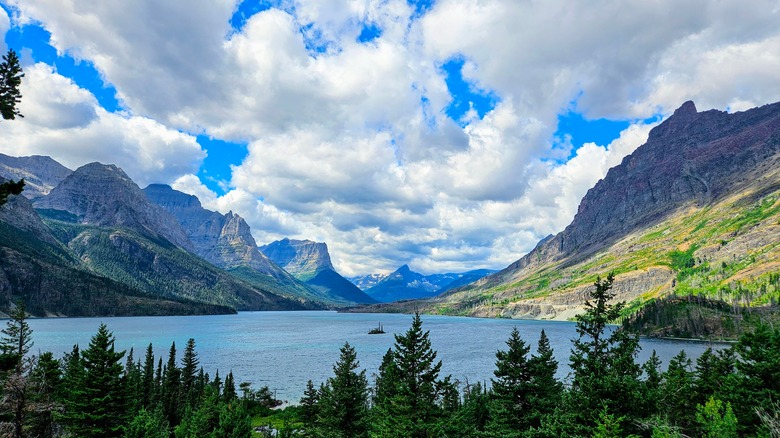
[(378, 330)]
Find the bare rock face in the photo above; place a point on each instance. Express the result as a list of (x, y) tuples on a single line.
[(223, 240), (103, 195), (691, 157), (299, 257), (41, 174)]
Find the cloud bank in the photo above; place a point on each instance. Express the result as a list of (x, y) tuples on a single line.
[(349, 142)]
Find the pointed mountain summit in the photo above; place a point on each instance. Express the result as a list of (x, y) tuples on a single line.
[(310, 262), (103, 195)]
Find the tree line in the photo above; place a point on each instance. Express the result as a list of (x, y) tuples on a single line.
[(101, 392)]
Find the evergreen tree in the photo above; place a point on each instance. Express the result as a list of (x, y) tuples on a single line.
[(147, 378), (716, 420), (100, 411), (676, 392), (10, 79), (72, 394), (189, 370), (511, 389), (309, 406), (171, 388), (343, 406), (15, 344), (17, 339), (229, 391), (606, 375), (46, 378), (132, 379), (545, 390), (414, 408)]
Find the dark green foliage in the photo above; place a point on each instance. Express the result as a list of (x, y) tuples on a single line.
[(606, 376), (410, 404), (545, 390), (46, 379), (309, 405), (343, 402), (8, 188), (171, 388), (510, 403), (229, 391), (148, 396), (676, 392), (189, 370), (10, 79), (148, 424), (17, 338), (97, 408)]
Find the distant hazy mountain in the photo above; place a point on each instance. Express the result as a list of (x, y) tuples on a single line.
[(405, 284), (310, 262), (41, 174), (365, 282)]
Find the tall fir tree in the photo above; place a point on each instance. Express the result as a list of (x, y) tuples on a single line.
[(309, 404), (414, 408), (46, 379), (17, 338), (545, 390), (15, 344), (11, 75), (343, 406), (147, 379), (606, 375), (171, 388), (189, 372), (510, 403), (100, 409)]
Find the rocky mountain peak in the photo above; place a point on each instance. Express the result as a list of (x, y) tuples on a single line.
[(103, 195), (41, 173), (165, 196), (299, 257)]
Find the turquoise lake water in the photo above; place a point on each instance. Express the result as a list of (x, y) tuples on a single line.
[(285, 349)]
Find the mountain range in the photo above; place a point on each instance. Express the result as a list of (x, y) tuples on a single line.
[(405, 284), (91, 242), (694, 210)]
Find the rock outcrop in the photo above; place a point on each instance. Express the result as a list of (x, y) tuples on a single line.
[(310, 262), (40, 173)]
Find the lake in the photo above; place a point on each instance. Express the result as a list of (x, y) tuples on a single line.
[(285, 349)]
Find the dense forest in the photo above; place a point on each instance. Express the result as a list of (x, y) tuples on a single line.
[(100, 392)]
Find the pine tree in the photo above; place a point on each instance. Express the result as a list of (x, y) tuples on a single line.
[(171, 388), (147, 379), (414, 408), (343, 406), (606, 375), (46, 381), (309, 405), (676, 398), (545, 390), (132, 380), (15, 344), (17, 338), (148, 424), (229, 391), (511, 392), (189, 370), (100, 411), (10, 79)]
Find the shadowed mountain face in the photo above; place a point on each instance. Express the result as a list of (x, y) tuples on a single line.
[(310, 262), (705, 185)]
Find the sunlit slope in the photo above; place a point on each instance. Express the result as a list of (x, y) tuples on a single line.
[(695, 210)]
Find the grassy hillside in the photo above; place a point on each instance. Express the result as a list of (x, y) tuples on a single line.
[(728, 250)]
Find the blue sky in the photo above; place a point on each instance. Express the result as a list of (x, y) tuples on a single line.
[(447, 135)]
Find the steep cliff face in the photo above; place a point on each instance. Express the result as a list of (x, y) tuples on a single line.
[(310, 262), (691, 159), (41, 174), (705, 184), (302, 258), (223, 240), (103, 195)]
